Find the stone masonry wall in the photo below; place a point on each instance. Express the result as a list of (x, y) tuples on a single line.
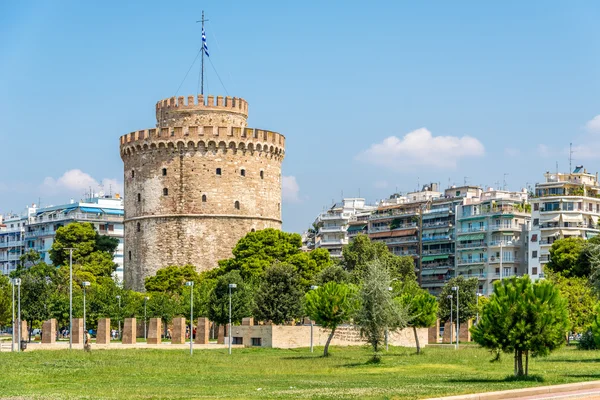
[(178, 208)]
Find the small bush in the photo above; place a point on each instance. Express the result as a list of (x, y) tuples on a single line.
[(587, 342)]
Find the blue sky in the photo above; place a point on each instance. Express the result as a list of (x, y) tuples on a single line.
[(371, 96)]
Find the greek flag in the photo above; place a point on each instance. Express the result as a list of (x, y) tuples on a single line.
[(204, 45)]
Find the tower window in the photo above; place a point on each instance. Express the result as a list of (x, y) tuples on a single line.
[(139, 227), (262, 174), (218, 171), (139, 197), (129, 256), (132, 173), (243, 172), (237, 205), (204, 198), (164, 172), (165, 192)]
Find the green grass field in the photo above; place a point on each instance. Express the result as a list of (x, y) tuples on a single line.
[(272, 373)]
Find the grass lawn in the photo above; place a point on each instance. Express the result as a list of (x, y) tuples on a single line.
[(272, 373)]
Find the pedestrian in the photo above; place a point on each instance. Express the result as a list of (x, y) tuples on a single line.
[(88, 342)]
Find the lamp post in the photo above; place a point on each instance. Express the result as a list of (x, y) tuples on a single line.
[(455, 288), (191, 285), (450, 297), (119, 317), (231, 286), (313, 287), (12, 346), (477, 317), (387, 348), (84, 284), (70, 296), (145, 319), (18, 283)]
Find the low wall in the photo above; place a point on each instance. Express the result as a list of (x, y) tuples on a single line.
[(285, 336)]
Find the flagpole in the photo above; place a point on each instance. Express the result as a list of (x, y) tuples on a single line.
[(202, 63)]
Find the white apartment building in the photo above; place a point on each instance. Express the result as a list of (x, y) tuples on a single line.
[(333, 224), (565, 205), (35, 230), (491, 240)]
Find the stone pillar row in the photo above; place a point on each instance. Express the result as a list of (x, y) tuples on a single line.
[(130, 331)]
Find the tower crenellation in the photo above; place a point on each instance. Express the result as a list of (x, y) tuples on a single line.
[(196, 184)]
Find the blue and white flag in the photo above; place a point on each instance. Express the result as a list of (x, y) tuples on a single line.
[(204, 45)]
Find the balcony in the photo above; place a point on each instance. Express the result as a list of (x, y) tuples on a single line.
[(374, 229), (503, 243), (332, 229), (465, 245), (77, 217), (468, 261), (506, 227), (505, 260), (404, 252), (436, 252), (394, 214), (439, 224), (332, 242), (472, 229), (436, 238), (336, 216), (11, 243)]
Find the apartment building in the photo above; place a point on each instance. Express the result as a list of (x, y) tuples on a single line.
[(333, 224), (35, 229), (565, 205), (491, 240)]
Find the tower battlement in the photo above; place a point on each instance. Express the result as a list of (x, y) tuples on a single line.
[(201, 103)]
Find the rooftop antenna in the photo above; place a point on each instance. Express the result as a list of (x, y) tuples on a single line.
[(465, 180), (557, 168), (504, 181), (203, 50), (570, 156)]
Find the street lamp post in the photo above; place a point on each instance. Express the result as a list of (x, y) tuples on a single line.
[(12, 346), (455, 288), (477, 317), (18, 283), (313, 287), (450, 297), (387, 348), (231, 286), (84, 284), (191, 285), (70, 296), (119, 317), (145, 319)]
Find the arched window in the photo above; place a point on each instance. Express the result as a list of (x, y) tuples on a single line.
[(132, 173), (164, 172), (278, 206), (262, 174), (243, 172), (139, 197), (237, 205), (139, 227), (165, 192), (218, 171), (204, 198), (252, 230)]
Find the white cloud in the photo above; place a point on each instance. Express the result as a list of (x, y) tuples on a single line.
[(290, 190), (77, 182), (512, 152), (420, 147), (593, 125)]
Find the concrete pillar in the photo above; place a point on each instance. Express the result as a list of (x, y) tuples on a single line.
[(103, 331), (434, 333), (449, 332), (465, 331), (49, 331), (154, 331), (178, 332), (202, 331), (222, 334), (248, 321), (24, 333), (129, 331), (77, 331)]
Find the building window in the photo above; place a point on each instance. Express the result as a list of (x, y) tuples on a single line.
[(204, 198), (536, 206), (534, 237), (534, 271), (256, 341), (278, 206), (237, 340), (164, 172), (534, 254), (139, 227), (132, 173), (237, 205), (218, 171), (536, 222), (243, 172), (262, 174), (111, 227), (130, 256), (165, 192)]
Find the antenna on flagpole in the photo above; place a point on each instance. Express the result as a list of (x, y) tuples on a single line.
[(203, 50)]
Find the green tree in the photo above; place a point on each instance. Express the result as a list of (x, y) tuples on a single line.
[(333, 273), (329, 306), (106, 244), (172, 279), (422, 309), (5, 301), (81, 236), (569, 258), (241, 299), (279, 296), (378, 312), (164, 306), (522, 317), (467, 299), (581, 300)]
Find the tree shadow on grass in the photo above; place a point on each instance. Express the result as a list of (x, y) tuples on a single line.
[(510, 378), (587, 376), (568, 360), (306, 357)]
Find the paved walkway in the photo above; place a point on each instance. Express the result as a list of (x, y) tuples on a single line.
[(117, 345), (581, 390)]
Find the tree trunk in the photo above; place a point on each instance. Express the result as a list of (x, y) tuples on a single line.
[(417, 340), (515, 362), (326, 351), (527, 363), (520, 363)]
